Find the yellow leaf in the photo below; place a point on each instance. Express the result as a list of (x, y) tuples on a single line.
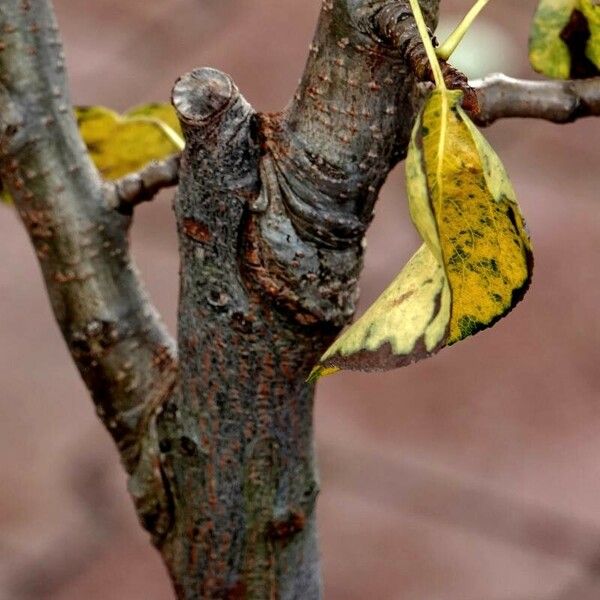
[(119, 145), (481, 234), (548, 53), (407, 322), (591, 11), (475, 264), (157, 110)]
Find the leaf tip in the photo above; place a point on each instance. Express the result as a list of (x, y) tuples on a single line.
[(321, 371)]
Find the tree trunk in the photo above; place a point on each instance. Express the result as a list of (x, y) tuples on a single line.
[(236, 442), (271, 212)]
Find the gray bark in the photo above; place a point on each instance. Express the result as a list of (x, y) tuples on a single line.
[(112, 331), (271, 211), (502, 97)]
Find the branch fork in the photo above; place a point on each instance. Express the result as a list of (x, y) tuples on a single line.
[(271, 212)]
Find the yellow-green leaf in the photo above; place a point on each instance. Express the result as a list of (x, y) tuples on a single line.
[(548, 53), (481, 235), (591, 11), (119, 144), (157, 110), (476, 262), (409, 321), (4, 196)]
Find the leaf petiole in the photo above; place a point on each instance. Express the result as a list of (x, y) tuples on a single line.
[(424, 33), (454, 39), (173, 136)]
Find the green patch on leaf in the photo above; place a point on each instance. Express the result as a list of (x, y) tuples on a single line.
[(475, 264), (564, 40)]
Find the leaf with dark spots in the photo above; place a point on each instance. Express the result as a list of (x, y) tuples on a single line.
[(475, 264), (407, 322), (471, 228), (564, 41), (591, 11)]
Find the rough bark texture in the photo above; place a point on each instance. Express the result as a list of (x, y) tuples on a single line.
[(113, 333), (271, 212)]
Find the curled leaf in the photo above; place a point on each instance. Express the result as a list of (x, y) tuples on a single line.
[(409, 321), (119, 145), (476, 262), (479, 232)]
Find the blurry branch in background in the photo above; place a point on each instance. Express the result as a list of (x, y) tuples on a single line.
[(503, 97)]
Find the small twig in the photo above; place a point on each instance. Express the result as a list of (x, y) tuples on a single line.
[(502, 97), (449, 46), (135, 188)]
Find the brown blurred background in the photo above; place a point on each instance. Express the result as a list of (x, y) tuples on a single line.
[(471, 476)]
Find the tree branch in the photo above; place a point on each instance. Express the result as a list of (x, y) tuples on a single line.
[(115, 337), (135, 188), (397, 28), (503, 97), (271, 212), (350, 119), (236, 444)]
